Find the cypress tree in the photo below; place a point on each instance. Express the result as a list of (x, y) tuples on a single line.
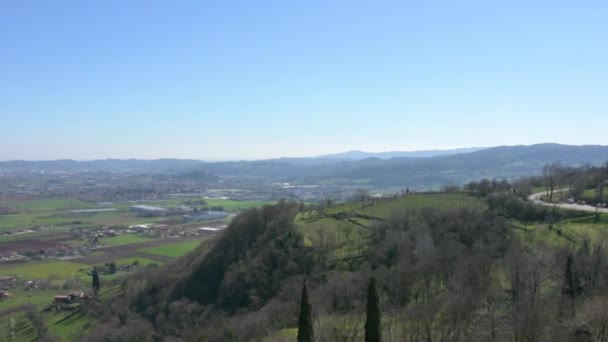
[(570, 283), (373, 320), (95, 276), (305, 331)]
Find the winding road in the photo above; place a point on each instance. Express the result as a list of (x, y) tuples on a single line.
[(536, 199)]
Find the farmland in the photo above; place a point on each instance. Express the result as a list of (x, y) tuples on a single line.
[(172, 250), (87, 239), (44, 269), (340, 231)]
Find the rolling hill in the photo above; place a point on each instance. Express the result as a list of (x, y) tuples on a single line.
[(417, 170)]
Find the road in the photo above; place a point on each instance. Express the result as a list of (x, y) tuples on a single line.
[(535, 198)]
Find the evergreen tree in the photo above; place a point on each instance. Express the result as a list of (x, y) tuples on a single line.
[(569, 289), (305, 331), (373, 320), (95, 276)]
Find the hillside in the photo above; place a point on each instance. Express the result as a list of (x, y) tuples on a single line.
[(449, 255)]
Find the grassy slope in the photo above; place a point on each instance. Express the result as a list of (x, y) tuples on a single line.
[(567, 233), (16, 327), (344, 227)]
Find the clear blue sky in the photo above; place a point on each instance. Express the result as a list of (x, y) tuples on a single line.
[(257, 79)]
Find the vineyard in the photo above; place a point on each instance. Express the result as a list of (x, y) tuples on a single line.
[(340, 230)]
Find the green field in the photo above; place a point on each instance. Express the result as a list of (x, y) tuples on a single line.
[(45, 269), (39, 298), (41, 234), (140, 260), (568, 233), (437, 201), (592, 194), (173, 250), (55, 212), (228, 205), (123, 239), (48, 204), (68, 219)]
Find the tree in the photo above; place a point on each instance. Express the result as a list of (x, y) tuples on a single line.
[(112, 267), (305, 330), (95, 276), (570, 286), (551, 173), (373, 320)]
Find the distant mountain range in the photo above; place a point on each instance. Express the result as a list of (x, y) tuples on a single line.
[(417, 170), (358, 155)]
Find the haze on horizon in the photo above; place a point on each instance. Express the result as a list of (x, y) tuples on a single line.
[(220, 81)]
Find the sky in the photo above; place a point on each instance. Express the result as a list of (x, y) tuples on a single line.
[(218, 80)]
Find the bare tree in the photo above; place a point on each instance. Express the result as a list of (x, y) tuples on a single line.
[(551, 173)]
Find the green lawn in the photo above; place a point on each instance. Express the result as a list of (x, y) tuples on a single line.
[(173, 250)]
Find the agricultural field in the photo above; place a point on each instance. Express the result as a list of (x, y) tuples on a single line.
[(48, 204), (58, 212), (173, 250), (43, 227), (123, 239), (38, 298), (227, 204), (70, 219), (44, 269)]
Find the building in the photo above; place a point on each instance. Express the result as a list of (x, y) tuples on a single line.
[(205, 215), (8, 282), (209, 230), (148, 210), (5, 295)]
